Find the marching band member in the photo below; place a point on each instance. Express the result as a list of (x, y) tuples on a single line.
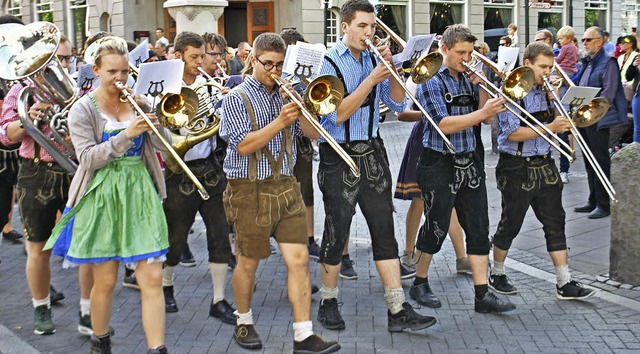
[(455, 180), (114, 213), (262, 197), (183, 200), (527, 176), (355, 125), (42, 189)]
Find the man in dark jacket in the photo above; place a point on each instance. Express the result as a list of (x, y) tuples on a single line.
[(601, 70)]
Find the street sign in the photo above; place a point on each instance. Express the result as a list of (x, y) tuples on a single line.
[(541, 5)]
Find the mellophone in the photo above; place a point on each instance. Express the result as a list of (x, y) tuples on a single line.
[(44, 77)]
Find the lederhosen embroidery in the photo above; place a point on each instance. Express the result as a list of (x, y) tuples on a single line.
[(544, 116), (369, 101), (285, 147)]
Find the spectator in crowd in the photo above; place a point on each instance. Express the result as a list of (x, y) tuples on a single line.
[(237, 63), (629, 46), (634, 74), (568, 57), (545, 36), (161, 37), (608, 47), (161, 51), (512, 29)]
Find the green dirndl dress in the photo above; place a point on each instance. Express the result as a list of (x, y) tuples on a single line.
[(120, 216)]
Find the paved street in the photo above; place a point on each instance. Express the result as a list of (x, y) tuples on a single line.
[(608, 322)]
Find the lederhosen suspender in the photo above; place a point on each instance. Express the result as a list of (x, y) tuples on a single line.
[(286, 146), (369, 101), (545, 116)]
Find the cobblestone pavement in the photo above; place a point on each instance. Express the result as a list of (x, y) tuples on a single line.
[(609, 322)]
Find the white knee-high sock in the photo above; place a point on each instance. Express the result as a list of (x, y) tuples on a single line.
[(218, 279)]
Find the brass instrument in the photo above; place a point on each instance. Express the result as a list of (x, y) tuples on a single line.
[(224, 73), (583, 145), (325, 94), (188, 110), (219, 80), (167, 145), (516, 86), (28, 55), (421, 72), (587, 114)]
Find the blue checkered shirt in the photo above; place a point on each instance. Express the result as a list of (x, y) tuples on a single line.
[(354, 73), (236, 124), (508, 123), (431, 97)]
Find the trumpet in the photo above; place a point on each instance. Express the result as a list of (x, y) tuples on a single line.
[(516, 86), (324, 95), (167, 145), (424, 69), (583, 145)]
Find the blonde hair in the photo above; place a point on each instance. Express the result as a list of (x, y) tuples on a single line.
[(248, 66), (566, 31), (513, 26), (109, 45)]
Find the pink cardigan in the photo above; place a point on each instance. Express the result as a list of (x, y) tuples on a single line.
[(568, 58)]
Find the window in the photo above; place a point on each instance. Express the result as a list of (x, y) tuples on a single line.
[(498, 13), (595, 13), (13, 8), (79, 12), (630, 9), (552, 19), (444, 14), (394, 15), (44, 10), (332, 28)]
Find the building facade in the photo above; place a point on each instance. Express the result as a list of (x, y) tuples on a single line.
[(244, 20)]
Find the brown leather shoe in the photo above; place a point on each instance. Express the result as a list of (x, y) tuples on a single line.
[(314, 344), (247, 337)]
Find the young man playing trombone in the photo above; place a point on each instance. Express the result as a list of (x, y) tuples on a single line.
[(449, 180), (183, 200), (355, 126), (527, 176), (262, 196)]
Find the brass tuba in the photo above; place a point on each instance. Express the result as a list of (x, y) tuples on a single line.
[(188, 111), (28, 55)]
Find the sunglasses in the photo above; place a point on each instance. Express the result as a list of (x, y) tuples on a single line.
[(588, 40), (67, 58)]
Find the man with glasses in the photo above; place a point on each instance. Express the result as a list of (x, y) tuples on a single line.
[(263, 197), (599, 69), (183, 201)]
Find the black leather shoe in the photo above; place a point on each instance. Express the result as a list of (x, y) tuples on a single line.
[(492, 303), (170, 305), (424, 296), (587, 208), (598, 213), (223, 311), (247, 337), (315, 344)]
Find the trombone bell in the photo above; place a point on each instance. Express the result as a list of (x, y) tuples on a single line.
[(424, 69), (323, 95), (590, 114), (519, 83)]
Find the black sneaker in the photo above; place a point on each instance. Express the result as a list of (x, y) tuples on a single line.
[(314, 344), (232, 262), (247, 337), (223, 311), (501, 284), (42, 320), (573, 291), (346, 269), (329, 315), (408, 318), (159, 350), (406, 272), (13, 236), (314, 288), (100, 345), (170, 305), (187, 259), (492, 303), (314, 250), (423, 295), (55, 295), (130, 282)]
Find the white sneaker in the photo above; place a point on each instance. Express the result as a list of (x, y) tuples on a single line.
[(564, 176)]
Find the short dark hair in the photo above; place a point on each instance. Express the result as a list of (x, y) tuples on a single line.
[(457, 33), (188, 39), (169, 47), (349, 9), (10, 19), (160, 29), (506, 39), (214, 39), (268, 42), (631, 39), (535, 49), (291, 36)]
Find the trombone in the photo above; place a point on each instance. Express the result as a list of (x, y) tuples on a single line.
[(516, 86), (422, 71), (167, 145), (587, 114), (583, 145), (322, 96)]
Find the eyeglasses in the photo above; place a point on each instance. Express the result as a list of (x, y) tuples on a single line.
[(588, 40), (268, 66), (214, 54), (67, 58)]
